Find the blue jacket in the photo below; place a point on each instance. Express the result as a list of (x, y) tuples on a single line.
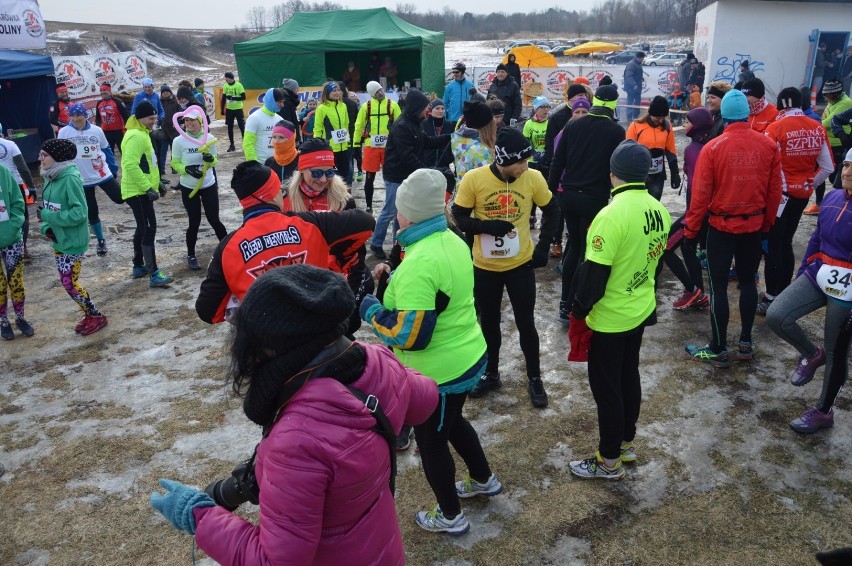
[(455, 93), (153, 99), (633, 76)]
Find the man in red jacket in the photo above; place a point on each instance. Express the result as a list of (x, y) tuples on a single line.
[(761, 111), (738, 184), (269, 238), (111, 115)]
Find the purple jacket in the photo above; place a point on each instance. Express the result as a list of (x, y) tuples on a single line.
[(323, 475), (690, 159), (833, 233)]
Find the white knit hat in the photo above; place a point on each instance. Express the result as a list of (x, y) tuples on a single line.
[(373, 87), (421, 195)]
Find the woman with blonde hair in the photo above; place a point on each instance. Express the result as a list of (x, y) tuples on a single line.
[(331, 123)]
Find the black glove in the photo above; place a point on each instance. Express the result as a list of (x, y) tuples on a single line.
[(194, 171), (152, 194), (845, 139), (539, 257), (207, 157), (496, 228), (675, 181), (162, 190), (49, 233)]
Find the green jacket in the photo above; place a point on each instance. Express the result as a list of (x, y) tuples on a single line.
[(330, 116), (836, 108), (139, 170), (12, 209), (383, 113), (65, 211)]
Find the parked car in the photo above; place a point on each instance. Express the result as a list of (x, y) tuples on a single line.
[(517, 43), (620, 57), (663, 59), (659, 48), (559, 50)]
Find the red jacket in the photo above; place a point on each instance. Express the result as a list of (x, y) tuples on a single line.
[(111, 114), (268, 239), (323, 474), (803, 142), (762, 119), (737, 182)]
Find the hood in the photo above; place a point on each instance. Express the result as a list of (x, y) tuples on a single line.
[(415, 103), (134, 124), (467, 132)]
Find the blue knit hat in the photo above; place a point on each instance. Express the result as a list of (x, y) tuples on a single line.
[(735, 106)]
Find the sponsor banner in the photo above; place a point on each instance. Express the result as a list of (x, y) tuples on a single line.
[(555, 81), (84, 74), (254, 99), (21, 25)]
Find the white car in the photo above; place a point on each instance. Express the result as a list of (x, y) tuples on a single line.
[(663, 59)]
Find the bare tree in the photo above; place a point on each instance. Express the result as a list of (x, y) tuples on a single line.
[(406, 9), (257, 17)]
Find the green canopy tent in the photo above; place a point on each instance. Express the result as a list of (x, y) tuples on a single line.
[(314, 46)]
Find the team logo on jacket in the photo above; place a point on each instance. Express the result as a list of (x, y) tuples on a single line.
[(597, 243), (280, 261)]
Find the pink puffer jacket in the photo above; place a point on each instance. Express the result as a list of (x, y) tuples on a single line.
[(323, 476)]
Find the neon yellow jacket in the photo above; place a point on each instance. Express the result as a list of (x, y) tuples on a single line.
[(139, 170), (379, 120), (331, 115)]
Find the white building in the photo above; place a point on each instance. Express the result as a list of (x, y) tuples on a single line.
[(777, 38)]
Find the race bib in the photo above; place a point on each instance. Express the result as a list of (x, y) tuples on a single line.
[(500, 247), (379, 141), (656, 165), (87, 151), (4, 212), (835, 282), (340, 136), (784, 199)]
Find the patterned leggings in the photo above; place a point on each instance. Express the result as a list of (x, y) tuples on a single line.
[(68, 266), (12, 279)]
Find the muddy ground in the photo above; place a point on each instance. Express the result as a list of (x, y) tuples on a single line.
[(89, 424)]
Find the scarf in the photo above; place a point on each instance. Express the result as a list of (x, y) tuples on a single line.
[(54, 170), (789, 112), (757, 106), (417, 232), (285, 152), (309, 192)]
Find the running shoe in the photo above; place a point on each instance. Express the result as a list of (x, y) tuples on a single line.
[(403, 441), (231, 148), (159, 279), (706, 355), (81, 324), (359, 176), (6, 332), (745, 350), (471, 488), (101, 249), (140, 271), (24, 326), (628, 453), (763, 306), (487, 382), (93, 323), (369, 210), (538, 396), (687, 299), (806, 368), (702, 303), (811, 210), (564, 312), (435, 522), (813, 420), (192, 262), (594, 468), (556, 249)]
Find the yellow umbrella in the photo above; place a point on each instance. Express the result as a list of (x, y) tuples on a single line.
[(528, 56), (593, 47)]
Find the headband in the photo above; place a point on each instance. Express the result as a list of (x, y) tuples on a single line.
[(265, 193), (316, 159), (283, 131), (716, 92)]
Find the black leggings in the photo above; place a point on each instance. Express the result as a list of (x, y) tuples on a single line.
[(614, 381), (230, 116), (780, 261), (438, 464), (146, 227), (578, 209), (358, 157), (368, 188), (112, 190), (839, 366), (687, 271), (114, 139), (488, 291), (343, 164), (25, 228), (722, 247), (209, 199)]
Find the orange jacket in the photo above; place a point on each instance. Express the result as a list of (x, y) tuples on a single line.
[(737, 182), (801, 140), (654, 137), (762, 119)]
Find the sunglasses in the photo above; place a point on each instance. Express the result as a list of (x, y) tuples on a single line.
[(318, 173)]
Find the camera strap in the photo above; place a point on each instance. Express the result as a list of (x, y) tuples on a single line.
[(383, 427)]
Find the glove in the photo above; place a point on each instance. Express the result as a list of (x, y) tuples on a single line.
[(207, 157), (162, 190), (33, 193), (539, 257), (194, 171), (496, 228), (178, 502), (50, 235), (580, 337), (152, 194), (675, 181), (366, 303)]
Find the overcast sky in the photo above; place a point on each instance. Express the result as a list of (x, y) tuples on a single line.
[(225, 14)]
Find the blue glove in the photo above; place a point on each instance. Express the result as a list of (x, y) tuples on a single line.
[(178, 502), (366, 303)]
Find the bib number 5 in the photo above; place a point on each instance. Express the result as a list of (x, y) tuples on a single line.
[(500, 247)]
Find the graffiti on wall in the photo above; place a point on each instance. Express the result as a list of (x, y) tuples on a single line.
[(729, 66)]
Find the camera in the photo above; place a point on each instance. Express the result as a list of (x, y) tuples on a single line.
[(232, 492)]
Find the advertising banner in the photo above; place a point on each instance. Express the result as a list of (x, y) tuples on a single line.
[(84, 74), (21, 25)]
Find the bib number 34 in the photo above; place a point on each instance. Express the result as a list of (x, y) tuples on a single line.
[(835, 282)]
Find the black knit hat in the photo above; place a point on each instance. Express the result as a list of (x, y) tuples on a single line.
[(144, 109), (659, 107), (165, 88), (754, 87), (185, 92), (606, 80), (297, 303), (501, 67), (832, 87), (790, 97), (229, 75), (630, 161), (607, 93), (198, 82), (575, 90), (248, 177), (476, 114), (511, 147), (60, 150)]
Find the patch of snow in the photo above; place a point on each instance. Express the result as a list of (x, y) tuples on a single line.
[(486, 521), (66, 34), (567, 550)]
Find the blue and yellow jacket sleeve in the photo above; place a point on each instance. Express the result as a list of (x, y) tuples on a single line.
[(405, 330)]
